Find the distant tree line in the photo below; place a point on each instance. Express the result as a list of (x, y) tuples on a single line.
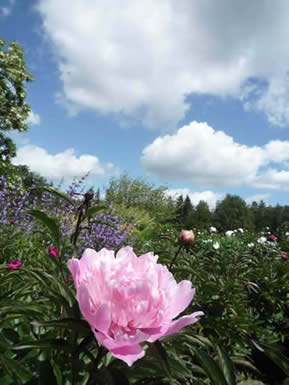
[(232, 213)]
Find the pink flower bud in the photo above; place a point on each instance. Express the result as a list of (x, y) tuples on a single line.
[(272, 238), (186, 237), (284, 255), (14, 265), (12, 221), (53, 252)]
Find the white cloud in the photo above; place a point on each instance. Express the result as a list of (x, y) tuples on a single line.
[(257, 198), (273, 179), (204, 157), (7, 10), (210, 197), (142, 59), (64, 165), (33, 118)]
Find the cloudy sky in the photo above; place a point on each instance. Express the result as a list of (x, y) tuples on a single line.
[(190, 94)]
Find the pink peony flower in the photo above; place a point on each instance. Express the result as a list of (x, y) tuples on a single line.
[(14, 265), (187, 237), (128, 299), (284, 255), (53, 252), (272, 237)]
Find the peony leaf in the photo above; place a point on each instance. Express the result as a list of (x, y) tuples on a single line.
[(227, 366), (210, 367)]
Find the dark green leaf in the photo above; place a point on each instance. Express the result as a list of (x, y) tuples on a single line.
[(226, 365), (210, 367), (58, 344), (161, 354)]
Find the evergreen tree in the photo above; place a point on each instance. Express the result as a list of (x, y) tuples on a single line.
[(202, 216), (188, 213), (232, 213)]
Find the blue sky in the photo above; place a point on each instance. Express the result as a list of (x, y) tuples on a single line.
[(192, 95)]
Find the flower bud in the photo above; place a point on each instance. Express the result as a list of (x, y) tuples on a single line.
[(186, 237), (53, 252)]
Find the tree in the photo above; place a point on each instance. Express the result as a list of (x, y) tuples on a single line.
[(232, 213), (138, 193), (7, 148), (188, 213), (14, 110), (202, 215), (13, 78)]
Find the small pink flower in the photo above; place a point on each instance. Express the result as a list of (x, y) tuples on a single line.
[(53, 252), (284, 255), (14, 265), (128, 299), (12, 221), (186, 237), (272, 238)]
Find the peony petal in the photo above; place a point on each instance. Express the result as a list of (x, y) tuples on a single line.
[(176, 325), (182, 297), (73, 267), (100, 318), (128, 354)]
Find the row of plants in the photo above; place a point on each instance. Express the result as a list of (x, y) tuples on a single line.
[(50, 333)]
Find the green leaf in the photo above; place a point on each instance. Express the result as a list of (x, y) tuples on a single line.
[(161, 354), (50, 223), (23, 375), (67, 323), (275, 354), (57, 343), (227, 366), (57, 372), (210, 367)]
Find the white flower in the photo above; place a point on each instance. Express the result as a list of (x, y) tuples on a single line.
[(216, 245), (241, 230), (207, 240), (213, 229), (229, 233), (251, 244), (261, 240), (287, 234)]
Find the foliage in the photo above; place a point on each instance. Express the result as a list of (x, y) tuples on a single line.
[(137, 193), (13, 78)]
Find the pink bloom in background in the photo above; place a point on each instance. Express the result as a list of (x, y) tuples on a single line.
[(53, 252), (12, 221), (128, 299), (14, 265), (284, 255), (272, 237)]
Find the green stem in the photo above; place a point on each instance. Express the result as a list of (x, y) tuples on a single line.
[(175, 257)]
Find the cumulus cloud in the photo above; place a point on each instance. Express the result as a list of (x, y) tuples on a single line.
[(142, 59), (6, 10), (64, 165), (33, 118), (210, 197), (204, 157), (257, 198)]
